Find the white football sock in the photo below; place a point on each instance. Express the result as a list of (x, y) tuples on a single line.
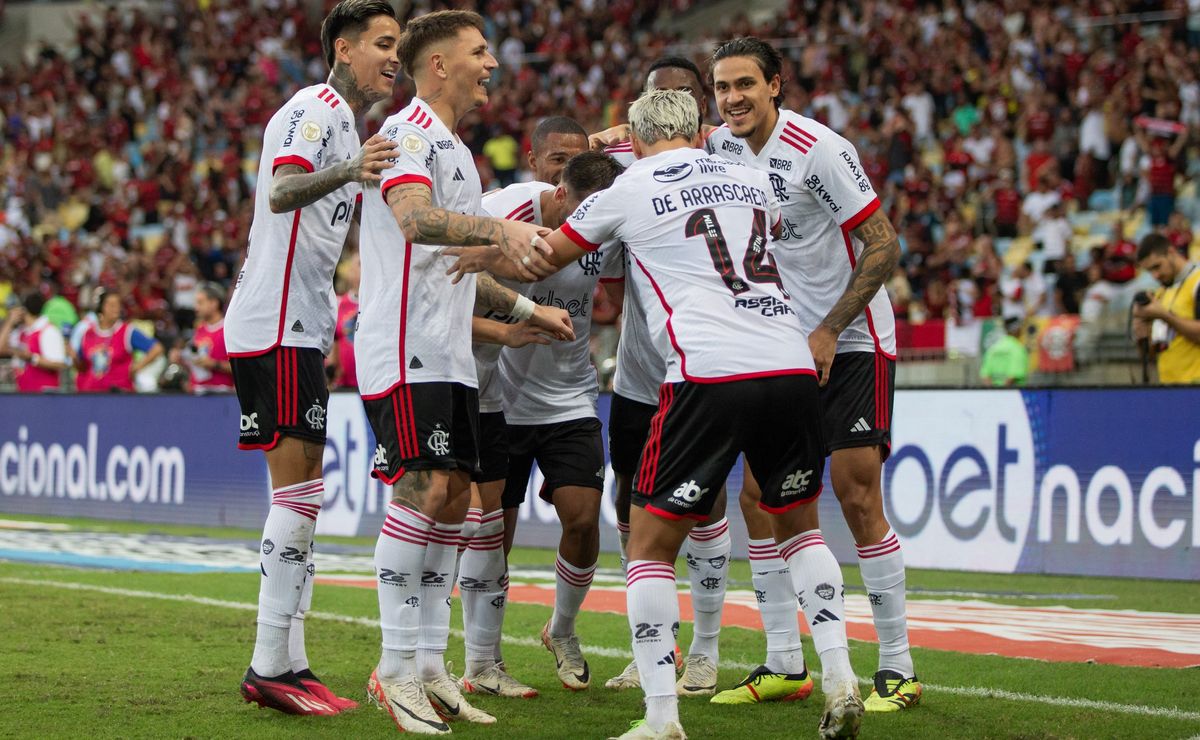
[(469, 527), (653, 606), (623, 542), (777, 607), (571, 585), (882, 567), (708, 549), (297, 656), (399, 560), (479, 585), (817, 579), (287, 534), (437, 582)]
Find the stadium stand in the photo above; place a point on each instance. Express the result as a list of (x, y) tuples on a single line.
[(129, 153)]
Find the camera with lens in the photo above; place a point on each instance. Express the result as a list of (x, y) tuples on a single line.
[(1142, 298)]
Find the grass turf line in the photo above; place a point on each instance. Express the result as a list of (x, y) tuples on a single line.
[(119, 664)]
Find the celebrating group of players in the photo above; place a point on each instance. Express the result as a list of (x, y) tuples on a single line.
[(750, 258)]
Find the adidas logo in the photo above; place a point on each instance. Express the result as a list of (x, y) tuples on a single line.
[(668, 659), (861, 426), (825, 616), (458, 175), (415, 364), (298, 327)]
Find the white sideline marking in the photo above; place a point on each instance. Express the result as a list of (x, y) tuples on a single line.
[(608, 652)]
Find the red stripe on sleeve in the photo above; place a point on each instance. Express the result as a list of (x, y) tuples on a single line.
[(578, 238), (295, 159), (403, 180)]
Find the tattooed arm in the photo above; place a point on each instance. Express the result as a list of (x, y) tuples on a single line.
[(493, 295), (421, 222), (880, 254), (294, 187)]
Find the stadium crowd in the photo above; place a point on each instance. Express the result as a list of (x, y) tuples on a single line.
[(128, 163)]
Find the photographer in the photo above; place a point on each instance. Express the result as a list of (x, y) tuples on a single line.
[(1171, 317)]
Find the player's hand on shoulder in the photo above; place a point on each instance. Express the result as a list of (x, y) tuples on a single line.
[(524, 333), (375, 156), (609, 136), (556, 321)]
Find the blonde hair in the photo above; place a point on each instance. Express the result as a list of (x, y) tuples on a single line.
[(662, 115)]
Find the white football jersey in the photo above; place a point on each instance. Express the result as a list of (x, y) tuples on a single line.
[(284, 293), (640, 368), (547, 384), (697, 229), (518, 202), (414, 325), (825, 194)]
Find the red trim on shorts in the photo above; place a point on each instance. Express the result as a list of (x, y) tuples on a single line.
[(390, 481), (663, 513), (846, 229), (653, 447), (411, 417), (400, 433), (879, 391), (295, 159), (570, 232), (264, 447), (792, 505), (403, 180)]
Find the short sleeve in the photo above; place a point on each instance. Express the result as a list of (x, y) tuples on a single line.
[(837, 181), (612, 265), (414, 158), (596, 220), (307, 133), (138, 341), (52, 347)]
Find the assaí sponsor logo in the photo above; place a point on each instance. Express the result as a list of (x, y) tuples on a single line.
[(961, 489), (85, 471)]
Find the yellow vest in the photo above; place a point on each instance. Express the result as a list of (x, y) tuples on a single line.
[(1180, 361)]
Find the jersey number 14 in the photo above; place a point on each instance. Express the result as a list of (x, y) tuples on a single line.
[(758, 264)]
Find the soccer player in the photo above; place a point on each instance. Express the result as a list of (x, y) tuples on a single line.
[(206, 356), (554, 141), (489, 529), (281, 318), (105, 356), (739, 379), (416, 373), (837, 248), (549, 400), (640, 371)]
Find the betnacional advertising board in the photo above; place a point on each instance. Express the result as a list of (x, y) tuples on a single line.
[(1088, 481)]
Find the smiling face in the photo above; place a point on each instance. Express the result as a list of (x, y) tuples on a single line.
[(467, 65), (745, 99), (371, 56)]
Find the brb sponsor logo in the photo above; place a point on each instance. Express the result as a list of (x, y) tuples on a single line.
[(109, 472)]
